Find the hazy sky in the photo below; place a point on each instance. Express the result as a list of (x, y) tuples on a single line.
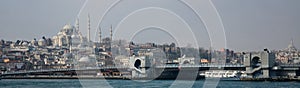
[(249, 24)]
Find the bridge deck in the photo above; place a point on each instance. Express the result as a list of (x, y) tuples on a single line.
[(122, 67)]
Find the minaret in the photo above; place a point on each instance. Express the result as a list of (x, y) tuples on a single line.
[(292, 42), (291, 46), (89, 28), (100, 35), (77, 25), (74, 31), (111, 34)]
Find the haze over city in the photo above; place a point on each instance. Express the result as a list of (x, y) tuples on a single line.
[(249, 25), (149, 43)]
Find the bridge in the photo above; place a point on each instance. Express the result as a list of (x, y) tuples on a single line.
[(118, 68), (169, 66), (119, 71)]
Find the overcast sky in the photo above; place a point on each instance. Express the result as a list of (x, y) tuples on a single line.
[(249, 24)]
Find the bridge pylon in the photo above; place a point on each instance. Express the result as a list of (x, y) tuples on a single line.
[(259, 65)]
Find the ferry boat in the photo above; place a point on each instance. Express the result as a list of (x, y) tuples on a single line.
[(229, 75)]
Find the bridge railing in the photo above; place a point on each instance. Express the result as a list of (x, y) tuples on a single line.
[(200, 65)]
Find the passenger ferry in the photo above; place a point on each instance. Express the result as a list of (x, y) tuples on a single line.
[(222, 74)]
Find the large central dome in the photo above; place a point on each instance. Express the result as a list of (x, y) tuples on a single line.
[(68, 27)]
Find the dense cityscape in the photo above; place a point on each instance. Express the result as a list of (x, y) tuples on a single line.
[(149, 43), (59, 52)]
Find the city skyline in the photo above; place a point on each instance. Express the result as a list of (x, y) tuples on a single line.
[(249, 25), (149, 43)]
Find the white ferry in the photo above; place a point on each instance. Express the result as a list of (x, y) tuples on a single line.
[(222, 74)]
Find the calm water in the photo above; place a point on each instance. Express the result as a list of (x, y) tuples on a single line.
[(73, 83)]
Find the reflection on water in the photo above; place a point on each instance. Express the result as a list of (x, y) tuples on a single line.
[(73, 83)]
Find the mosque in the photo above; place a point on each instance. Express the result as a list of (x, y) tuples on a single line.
[(70, 36), (291, 47)]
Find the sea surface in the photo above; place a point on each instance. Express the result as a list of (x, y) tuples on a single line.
[(100, 83)]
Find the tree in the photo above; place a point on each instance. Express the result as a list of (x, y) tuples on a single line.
[(172, 45), (17, 42), (35, 42), (131, 43), (49, 42), (2, 41), (44, 37)]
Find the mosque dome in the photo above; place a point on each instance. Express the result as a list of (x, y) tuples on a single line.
[(68, 27), (87, 59), (84, 59), (25, 44), (76, 40), (75, 36), (41, 40), (67, 55)]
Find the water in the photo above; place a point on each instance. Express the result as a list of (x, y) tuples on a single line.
[(75, 83)]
